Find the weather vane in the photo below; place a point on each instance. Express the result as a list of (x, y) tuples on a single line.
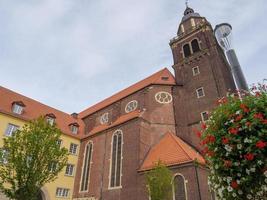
[(186, 3)]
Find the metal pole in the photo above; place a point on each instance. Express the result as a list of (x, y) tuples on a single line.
[(236, 70)]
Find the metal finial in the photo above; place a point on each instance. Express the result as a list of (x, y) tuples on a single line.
[(186, 3)]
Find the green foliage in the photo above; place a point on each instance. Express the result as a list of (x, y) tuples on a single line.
[(235, 145), (27, 157), (159, 182)]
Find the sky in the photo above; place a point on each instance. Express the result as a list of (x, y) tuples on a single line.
[(72, 54)]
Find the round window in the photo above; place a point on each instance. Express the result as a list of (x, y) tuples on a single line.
[(163, 97), (131, 106), (104, 118)]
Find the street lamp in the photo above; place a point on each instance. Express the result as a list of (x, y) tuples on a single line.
[(224, 37)]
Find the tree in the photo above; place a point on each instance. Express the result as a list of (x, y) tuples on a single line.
[(31, 158), (159, 182), (235, 145)]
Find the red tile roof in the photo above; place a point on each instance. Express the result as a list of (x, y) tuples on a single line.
[(171, 150), (120, 120), (33, 109), (162, 77)]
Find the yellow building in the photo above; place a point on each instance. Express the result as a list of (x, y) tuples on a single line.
[(16, 110)]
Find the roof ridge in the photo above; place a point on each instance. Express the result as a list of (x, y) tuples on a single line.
[(175, 139), (36, 101)]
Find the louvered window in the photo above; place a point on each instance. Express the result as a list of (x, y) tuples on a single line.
[(86, 166), (195, 46), (187, 51), (116, 160), (179, 188)]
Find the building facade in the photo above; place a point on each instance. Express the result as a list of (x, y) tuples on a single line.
[(122, 137)]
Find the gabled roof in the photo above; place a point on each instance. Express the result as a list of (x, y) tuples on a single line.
[(162, 77), (171, 150), (33, 109)]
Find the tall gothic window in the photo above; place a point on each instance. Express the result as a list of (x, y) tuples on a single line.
[(116, 159), (179, 191), (195, 46), (86, 166), (187, 51)]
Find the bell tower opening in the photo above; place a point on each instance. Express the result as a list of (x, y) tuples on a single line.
[(40, 195)]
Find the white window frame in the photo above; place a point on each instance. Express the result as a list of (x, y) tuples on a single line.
[(50, 120), (198, 71), (69, 168), (197, 91), (11, 128), (76, 149), (16, 108), (74, 129), (90, 162), (110, 161), (129, 109), (62, 192), (202, 115), (185, 185)]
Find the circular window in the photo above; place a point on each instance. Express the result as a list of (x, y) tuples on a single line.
[(131, 106), (163, 97), (104, 118)]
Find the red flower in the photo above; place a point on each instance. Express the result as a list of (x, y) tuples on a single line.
[(205, 150), (238, 118), (258, 94), (234, 184), (248, 124), (249, 156), (264, 121), (210, 153), (260, 144), (258, 116), (225, 140), (222, 100), (244, 108), (211, 138), (227, 163), (203, 126), (233, 131)]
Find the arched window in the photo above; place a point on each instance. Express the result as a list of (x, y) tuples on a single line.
[(195, 46), (187, 51), (179, 190), (86, 166), (116, 159)]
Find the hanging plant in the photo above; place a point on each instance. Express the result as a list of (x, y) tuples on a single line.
[(234, 142)]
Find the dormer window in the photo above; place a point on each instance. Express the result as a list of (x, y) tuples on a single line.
[(74, 128), (50, 119), (17, 107)]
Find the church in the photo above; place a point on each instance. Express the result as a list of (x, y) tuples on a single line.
[(113, 143), (155, 119)]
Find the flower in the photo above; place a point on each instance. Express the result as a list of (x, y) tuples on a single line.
[(258, 116), (203, 126), (233, 131), (244, 108), (249, 156), (225, 140), (238, 117), (260, 144), (234, 184), (227, 163), (264, 121), (239, 146), (248, 124), (198, 133)]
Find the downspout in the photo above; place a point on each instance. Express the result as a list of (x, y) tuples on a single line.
[(197, 181), (103, 168)]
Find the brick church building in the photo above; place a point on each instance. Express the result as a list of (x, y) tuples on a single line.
[(153, 120)]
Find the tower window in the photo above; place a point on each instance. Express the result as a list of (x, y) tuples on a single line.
[(179, 189), (200, 92), (204, 116), (187, 51), (195, 71), (116, 160), (195, 46), (86, 166)]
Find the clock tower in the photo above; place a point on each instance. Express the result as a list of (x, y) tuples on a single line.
[(202, 74)]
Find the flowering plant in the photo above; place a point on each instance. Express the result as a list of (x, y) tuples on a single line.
[(234, 142)]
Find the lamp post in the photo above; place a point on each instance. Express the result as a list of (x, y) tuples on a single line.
[(223, 35)]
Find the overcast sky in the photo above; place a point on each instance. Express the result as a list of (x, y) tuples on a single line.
[(71, 54)]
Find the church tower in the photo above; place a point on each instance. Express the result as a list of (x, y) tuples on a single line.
[(201, 71)]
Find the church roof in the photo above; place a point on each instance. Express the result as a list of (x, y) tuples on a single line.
[(34, 109), (171, 150), (162, 77)]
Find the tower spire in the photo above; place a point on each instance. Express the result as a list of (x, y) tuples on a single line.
[(186, 3)]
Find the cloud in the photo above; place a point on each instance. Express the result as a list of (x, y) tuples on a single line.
[(71, 54)]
